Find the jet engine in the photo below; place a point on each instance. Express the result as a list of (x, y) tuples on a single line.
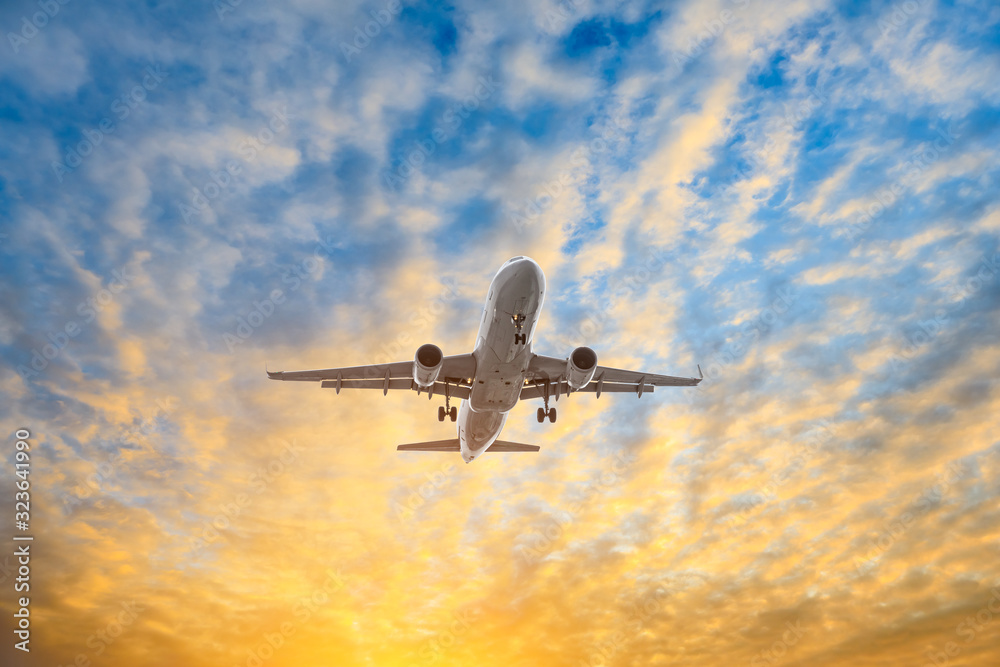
[(427, 365), (580, 367)]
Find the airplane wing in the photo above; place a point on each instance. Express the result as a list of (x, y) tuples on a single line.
[(455, 377), (546, 374)]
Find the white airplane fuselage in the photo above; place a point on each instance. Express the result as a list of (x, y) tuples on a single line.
[(502, 352)]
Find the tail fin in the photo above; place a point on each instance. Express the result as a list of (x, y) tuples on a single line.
[(453, 446)]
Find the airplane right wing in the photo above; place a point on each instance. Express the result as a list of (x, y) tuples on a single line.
[(547, 377)]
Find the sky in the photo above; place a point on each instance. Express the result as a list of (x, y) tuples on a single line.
[(803, 198)]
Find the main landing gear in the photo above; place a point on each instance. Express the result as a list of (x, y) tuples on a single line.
[(547, 412), (447, 410)]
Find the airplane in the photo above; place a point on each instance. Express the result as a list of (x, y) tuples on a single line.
[(500, 371)]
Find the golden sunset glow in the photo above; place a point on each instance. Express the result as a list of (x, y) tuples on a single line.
[(801, 199)]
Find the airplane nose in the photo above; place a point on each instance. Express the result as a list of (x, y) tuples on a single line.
[(529, 272), (539, 276)]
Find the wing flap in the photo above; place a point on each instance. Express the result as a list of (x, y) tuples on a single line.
[(550, 368), (537, 391), (399, 369), (399, 383), (457, 372), (619, 375), (454, 390)]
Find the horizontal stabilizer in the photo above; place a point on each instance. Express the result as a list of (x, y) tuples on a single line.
[(502, 446), (453, 446), (432, 446)]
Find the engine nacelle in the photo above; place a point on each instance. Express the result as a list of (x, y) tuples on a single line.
[(427, 365), (580, 367)]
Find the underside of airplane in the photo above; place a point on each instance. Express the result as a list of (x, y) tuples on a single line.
[(500, 371)]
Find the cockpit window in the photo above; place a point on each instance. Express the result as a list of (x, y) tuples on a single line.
[(514, 259)]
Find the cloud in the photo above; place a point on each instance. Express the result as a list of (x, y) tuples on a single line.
[(52, 63), (826, 495)]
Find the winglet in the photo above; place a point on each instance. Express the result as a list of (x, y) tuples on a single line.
[(700, 375), (274, 375)]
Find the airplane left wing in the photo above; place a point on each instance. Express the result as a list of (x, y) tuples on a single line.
[(454, 378), (547, 374)]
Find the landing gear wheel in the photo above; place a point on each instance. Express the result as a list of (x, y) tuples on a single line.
[(453, 413), (552, 416), (441, 414), (541, 415)]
